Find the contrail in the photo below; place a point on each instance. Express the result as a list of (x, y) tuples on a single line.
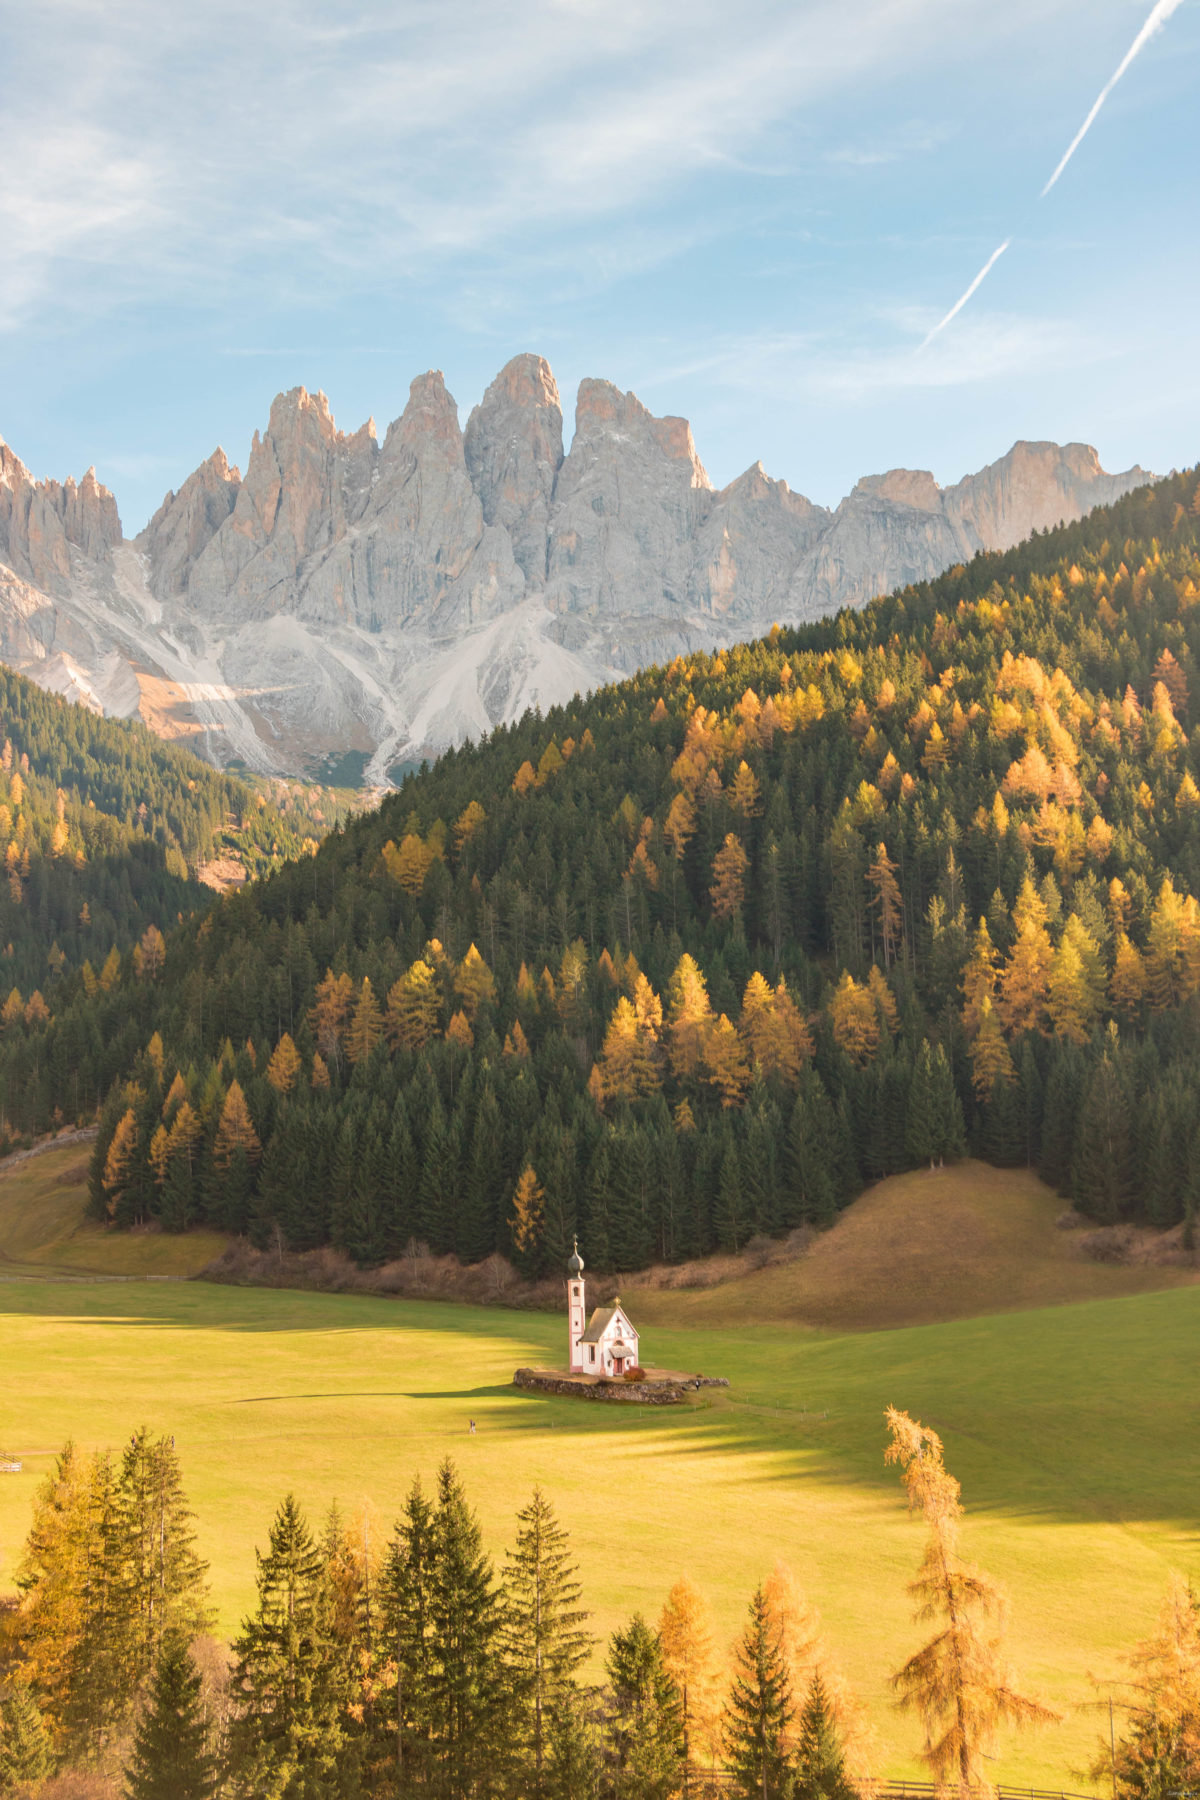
[(986, 270), (1160, 12)]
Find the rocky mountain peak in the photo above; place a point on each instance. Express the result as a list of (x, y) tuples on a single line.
[(903, 487), (513, 446), (390, 599)]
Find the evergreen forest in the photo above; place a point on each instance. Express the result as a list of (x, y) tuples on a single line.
[(693, 959), (103, 828)]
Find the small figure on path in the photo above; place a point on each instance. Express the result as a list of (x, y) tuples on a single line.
[(472, 1428)]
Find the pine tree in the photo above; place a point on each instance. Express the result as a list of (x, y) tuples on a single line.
[(544, 1640), (759, 1710), (820, 1759), (171, 1759)]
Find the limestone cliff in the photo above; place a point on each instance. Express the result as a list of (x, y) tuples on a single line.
[(382, 601)]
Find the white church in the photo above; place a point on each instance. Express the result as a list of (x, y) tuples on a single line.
[(606, 1346)]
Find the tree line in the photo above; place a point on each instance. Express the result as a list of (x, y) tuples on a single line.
[(407, 1663), (692, 959)]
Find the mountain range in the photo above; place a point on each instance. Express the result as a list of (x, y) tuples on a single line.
[(348, 606)]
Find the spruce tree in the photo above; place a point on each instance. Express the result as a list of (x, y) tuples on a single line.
[(820, 1772), (466, 1680), (287, 1734), (544, 1639), (645, 1742), (405, 1733), (572, 1756), (171, 1759), (760, 1709), (163, 1580), (25, 1755), (1103, 1169)]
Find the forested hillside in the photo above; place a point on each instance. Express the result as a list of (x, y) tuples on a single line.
[(694, 958), (102, 830)]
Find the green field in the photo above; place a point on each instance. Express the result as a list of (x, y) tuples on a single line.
[(1074, 1430)]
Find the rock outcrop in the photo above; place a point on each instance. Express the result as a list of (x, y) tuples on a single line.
[(42, 521), (355, 604)]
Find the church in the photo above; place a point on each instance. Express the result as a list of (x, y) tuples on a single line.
[(608, 1345)]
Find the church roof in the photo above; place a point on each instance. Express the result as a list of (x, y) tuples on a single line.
[(601, 1319)]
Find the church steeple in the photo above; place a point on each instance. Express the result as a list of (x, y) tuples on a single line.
[(576, 1309)]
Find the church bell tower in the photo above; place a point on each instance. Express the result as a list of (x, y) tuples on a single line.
[(576, 1310)]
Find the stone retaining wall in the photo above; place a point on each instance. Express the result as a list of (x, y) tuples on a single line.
[(670, 1392)]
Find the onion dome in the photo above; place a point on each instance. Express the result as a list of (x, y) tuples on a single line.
[(575, 1262)]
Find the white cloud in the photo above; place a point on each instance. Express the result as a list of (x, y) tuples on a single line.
[(174, 149), (851, 369)]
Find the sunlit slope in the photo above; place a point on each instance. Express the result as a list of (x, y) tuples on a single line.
[(1072, 1429), (43, 1227), (933, 1244)]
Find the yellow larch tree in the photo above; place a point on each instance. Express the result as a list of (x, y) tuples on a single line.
[(889, 906), (728, 890), (855, 1019), (330, 1014), (990, 1059), (120, 1161), (413, 1005), (366, 1024), (474, 983), (528, 1208), (689, 1018), (978, 978), (685, 1633), (235, 1132), (957, 1683), (284, 1067), (725, 1066), (1127, 985)]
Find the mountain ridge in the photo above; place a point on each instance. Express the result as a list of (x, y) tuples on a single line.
[(384, 600)]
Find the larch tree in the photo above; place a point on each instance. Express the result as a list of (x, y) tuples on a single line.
[(689, 1018), (366, 1024), (728, 890), (957, 1683), (685, 1634), (413, 1005), (285, 1065), (1158, 1754)]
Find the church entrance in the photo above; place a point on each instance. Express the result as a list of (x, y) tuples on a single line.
[(618, 1365)]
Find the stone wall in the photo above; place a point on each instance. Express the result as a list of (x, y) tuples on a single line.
[(667, 1392)]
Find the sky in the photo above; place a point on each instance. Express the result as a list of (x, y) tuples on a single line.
[(756, 213)]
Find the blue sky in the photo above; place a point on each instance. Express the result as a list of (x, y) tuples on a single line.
[(751, 212)]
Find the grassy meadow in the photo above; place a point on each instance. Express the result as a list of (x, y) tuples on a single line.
[(1073, 1427)]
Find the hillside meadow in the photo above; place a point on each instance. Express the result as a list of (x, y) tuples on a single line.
[(1071, 1427)]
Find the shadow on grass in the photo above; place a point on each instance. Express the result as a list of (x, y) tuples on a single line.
[(1076, 1413)]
